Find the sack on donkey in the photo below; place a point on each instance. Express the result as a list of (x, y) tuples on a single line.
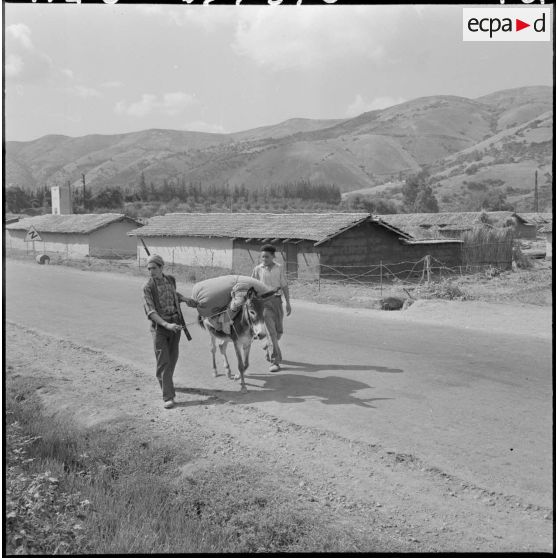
[(213, 295)]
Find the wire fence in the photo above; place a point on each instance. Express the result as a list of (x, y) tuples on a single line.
[(385, 276), (396, 275)]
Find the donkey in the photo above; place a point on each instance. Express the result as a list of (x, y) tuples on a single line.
[(248, 324)]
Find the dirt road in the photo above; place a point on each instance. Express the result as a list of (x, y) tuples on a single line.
[(447, 431)]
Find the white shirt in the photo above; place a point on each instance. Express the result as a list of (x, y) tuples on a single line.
[(274, 276)]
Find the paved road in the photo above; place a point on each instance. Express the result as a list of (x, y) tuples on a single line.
[(473, 404)]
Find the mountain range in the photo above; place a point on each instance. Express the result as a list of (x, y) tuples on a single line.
[(499, 139)]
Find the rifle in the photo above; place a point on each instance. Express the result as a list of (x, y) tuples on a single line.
[(144, 245)]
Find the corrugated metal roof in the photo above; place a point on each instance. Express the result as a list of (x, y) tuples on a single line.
[(70, 224), (303, 226)]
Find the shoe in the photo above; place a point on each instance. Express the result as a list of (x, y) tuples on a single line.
[(169, 404), (274, 368)]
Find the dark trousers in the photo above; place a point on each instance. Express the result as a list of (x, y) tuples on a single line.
[(165, 343), (273, 318)]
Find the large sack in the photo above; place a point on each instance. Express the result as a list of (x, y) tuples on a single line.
[(213, 295)]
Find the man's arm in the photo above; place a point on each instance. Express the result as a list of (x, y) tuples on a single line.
[(285, 289), (153, 315), (189, 301)]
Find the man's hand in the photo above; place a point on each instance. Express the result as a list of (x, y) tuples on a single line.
[(190, 302), (174, 327), (288, 307)]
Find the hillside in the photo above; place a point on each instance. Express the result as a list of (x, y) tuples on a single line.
[(504, 136)]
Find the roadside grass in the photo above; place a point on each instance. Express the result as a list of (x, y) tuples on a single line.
[(530, 284), (105, 490)]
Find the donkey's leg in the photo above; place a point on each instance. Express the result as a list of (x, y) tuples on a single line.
[(223, 349), (246, 353), (247, 346), (213, 349), (240, 366)]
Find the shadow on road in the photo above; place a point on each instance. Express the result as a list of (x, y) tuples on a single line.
[(309, 367), (290, 388)]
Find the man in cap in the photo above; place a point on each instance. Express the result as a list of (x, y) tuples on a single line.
[(272, 274), (162, 306)]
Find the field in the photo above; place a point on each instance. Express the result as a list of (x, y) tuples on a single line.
[(327, 455)]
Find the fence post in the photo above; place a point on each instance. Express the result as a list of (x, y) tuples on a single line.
[(381, 280), (319, 272), (427, 261)]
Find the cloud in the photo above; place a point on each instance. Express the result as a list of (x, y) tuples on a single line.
[(360, 105), (300, 37), (14, 65), (170, 104), (21, 34), (27, 64), (24, 62)]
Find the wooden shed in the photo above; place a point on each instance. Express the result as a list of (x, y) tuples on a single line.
[(74, 236), (529, 224), (309, 245)]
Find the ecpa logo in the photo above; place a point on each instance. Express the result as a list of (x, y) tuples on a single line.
[(507, 24)]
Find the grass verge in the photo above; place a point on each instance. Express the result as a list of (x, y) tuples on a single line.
[(104, 490)]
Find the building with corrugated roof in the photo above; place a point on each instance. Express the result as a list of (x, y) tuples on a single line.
[(309, 245), (74, 236)]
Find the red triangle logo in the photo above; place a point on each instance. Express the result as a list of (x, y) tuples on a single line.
[(519, 25)]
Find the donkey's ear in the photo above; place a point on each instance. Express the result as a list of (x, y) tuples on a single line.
[(268, 294)]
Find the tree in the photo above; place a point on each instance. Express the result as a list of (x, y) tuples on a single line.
[(370, 204), (426, 201), (418, 196), (17, 199), (143, 189), (496, 200)]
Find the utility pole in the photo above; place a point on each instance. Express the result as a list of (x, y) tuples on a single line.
[(83, 181), (536, 193)]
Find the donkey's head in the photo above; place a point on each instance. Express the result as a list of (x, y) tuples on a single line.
[(254, 313)]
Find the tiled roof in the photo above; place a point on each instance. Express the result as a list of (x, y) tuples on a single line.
[(69, 224), (536, 218), (303, 226), (425, 224)]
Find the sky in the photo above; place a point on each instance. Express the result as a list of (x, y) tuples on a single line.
[(78, 69)]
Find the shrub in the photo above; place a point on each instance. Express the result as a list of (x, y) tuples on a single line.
[(445, 289)]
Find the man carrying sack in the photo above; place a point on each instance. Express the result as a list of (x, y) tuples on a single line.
[(162, 307)]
